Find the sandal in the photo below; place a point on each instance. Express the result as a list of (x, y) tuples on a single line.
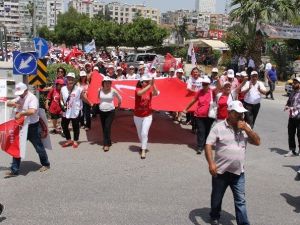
[(106, 148), (67, 144)]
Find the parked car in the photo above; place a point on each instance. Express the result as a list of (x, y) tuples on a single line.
[(135, 59)]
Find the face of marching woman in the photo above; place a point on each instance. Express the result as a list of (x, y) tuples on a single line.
[(70, 81), (227, 89), (107, 85)]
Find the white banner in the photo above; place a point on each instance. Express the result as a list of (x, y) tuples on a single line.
[(280, 32)]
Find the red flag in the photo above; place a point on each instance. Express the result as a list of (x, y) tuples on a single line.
[(173, 93), (10, 137), (170, 61)]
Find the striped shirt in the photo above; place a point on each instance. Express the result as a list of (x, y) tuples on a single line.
[(230, 148)]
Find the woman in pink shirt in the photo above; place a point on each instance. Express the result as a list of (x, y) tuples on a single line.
[(203, 122)]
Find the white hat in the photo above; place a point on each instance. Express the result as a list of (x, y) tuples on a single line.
[(141, 67), (205, 79), (254, 73), (297, 79), (226, 82), (20, 88), (82, 74), (107, 78), (119, 68), (180, 70), (238, 74), (141, 62), (96, 68), (230, 73), (71, 74), (101, 60), (244, 74), (171, 69), (236, 106), (110, 66), (146, 77), (215, 70), (131, 67)]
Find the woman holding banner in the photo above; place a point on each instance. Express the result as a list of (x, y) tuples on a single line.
[(107, 109), (145, 90)]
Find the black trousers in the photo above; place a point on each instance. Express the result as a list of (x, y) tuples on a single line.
[(85, 119), (65, 126), (272, 89), (293, 129), (203, 128), (250, 116), (106, 122)]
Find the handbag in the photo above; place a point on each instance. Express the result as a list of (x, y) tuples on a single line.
[(212, 112)]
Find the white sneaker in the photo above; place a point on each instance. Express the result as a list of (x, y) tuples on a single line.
[(290, 154), (298, 171)]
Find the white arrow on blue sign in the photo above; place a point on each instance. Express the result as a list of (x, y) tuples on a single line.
[(41, 47), (24, 63)]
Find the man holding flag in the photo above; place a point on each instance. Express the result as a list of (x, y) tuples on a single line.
[(27, 105)]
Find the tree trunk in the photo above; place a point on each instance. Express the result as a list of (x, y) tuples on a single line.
[(256, 48)]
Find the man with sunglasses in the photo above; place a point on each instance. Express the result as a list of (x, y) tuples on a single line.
[(229, 138)]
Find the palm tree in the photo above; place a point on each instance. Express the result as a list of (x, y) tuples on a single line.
[(252, 13)]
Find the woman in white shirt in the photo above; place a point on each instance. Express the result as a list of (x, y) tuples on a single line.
[(71, 100), (107, 110), (131, 73)]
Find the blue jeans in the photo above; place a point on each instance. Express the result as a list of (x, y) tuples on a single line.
[(34, 137), (237, 185)]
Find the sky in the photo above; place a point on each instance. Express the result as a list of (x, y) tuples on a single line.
[(165, 5)]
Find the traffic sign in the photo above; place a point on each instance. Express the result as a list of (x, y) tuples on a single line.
[(41, 77), (24, 63), (41, 47)]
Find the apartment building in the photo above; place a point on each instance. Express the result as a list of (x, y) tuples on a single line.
[(54, 7), (205, 6), (88, 7), (9, 18)]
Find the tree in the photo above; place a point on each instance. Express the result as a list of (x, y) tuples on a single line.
[(44, 32), (73, 28), (144, 32), (251, 13), (237, 40)]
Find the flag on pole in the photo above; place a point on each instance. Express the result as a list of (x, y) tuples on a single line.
[(191, 47), (90, 47), (194, 61)]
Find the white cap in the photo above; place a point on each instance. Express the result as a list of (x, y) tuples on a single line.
[(215, 70), (20, 88), (180, 70), (96, 68), (254, 73), (205, 79), (141, 67), (71, 74), (297, 79), (226, 82), (238, 74), (171, 69), (82, 74), (110, 66), (146, 77), (107, 78), (131, 67), (230, 73), (141, 62), (244, 74), (119, 68), (153, 67), (236, 106), (101, 60)]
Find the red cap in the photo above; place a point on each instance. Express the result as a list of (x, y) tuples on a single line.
[(60, 81)]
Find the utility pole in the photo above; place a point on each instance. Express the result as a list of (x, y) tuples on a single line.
[(34, 18)]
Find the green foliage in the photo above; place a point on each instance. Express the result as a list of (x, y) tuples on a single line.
[(144, 32), (44, 32), (236, 38), (52, 71)]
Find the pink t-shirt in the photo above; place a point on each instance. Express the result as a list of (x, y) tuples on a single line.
[(204, 99)]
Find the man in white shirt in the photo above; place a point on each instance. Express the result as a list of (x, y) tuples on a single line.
[(27, 105), (253, 90)]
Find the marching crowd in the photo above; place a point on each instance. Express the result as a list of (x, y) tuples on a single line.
[(227, 106)]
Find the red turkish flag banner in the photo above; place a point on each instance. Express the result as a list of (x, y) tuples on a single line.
[(173, 95), (170, 61), (10, 137)]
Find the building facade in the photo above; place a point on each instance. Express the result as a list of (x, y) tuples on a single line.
[(205, 6), (54, 7), (88, 7), (9, 19)]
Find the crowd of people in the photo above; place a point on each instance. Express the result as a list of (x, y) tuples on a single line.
[(227, 105)]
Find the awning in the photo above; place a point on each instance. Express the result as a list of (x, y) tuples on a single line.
[(214, 44)]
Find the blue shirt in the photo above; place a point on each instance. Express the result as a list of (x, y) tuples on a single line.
[(273, 75)]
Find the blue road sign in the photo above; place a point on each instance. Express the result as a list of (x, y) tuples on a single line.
[(24, 63), (41, 47)]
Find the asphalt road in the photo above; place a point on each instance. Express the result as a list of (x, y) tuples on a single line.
[(170, 187)]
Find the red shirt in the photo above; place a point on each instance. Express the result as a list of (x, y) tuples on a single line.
[(222, 112), (54, 97), (203, 103), (142, 106), (241, 95)]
